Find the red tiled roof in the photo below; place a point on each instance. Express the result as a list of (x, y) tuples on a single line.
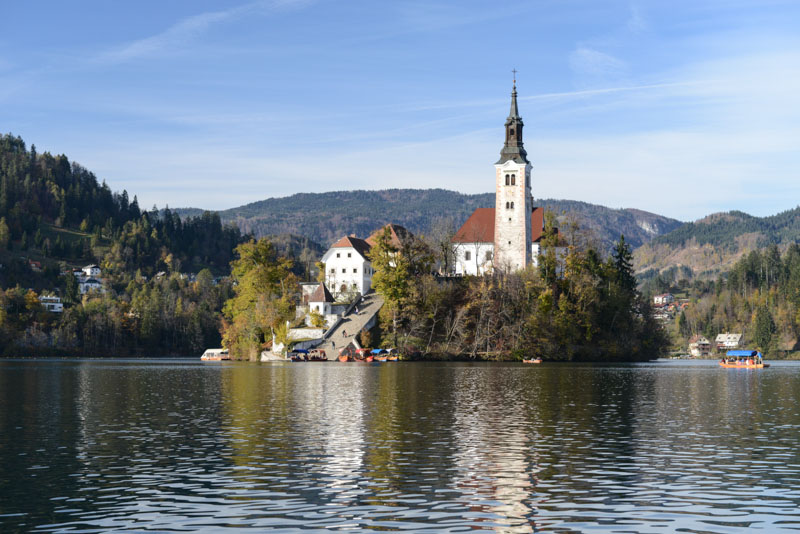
[(479, 228), (399, 235), (361, 246)]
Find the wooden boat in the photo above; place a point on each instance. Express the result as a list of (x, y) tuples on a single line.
[(215, 355), (743, 359), (317, 355), (535, 360), (347, 354)]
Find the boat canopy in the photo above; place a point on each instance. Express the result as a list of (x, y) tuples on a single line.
[(300, 351), (379, 351), (743, 353)]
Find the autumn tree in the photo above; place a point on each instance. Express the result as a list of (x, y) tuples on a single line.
[(264, 287)]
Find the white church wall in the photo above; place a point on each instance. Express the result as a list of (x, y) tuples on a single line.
[(473, 258)]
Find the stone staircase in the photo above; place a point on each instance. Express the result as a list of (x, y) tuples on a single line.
[(347, 330)]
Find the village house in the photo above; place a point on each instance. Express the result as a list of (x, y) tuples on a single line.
[(699, 347), (91, 271), (664, 299), (90, 284), (51, 303), (728, 341)]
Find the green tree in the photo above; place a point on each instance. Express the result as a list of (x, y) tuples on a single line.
[(264, 287), (764, 328), (392, 278)]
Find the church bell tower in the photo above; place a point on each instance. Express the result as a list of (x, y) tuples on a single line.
[(513, 199)]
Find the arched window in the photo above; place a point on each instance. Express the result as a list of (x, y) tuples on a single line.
[(507, 205), (512, 205), (511, 131), (513, 179), (507, 180)]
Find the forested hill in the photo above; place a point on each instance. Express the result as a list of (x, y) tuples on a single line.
[(325, 217), (57, 212), (712, 245)]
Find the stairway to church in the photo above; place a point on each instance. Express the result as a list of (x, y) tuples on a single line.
[(351, 325)]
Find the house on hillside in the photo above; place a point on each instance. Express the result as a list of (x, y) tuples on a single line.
[(699, 347), (90, 284), (91, 271), (728, 341), (51, 303), (664, 299)]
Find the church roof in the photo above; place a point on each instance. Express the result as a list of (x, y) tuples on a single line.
[(399, 235), (321, 294), (361, 246), (479, 228)]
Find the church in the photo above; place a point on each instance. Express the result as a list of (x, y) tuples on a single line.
[(506, 237)]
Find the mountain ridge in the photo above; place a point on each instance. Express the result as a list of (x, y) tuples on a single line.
[(326, 217)]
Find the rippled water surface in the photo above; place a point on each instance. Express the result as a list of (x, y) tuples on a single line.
[(96, 446)]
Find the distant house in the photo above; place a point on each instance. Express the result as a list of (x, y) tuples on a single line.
[(91, 271), (728, 341), (664, 299), (699, 347), (90, 284), (36, 266), (51, 303)]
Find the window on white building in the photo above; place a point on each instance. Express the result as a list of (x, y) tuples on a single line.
[(508, 180), (467, 255), (349, 255), (488, 255), (338, 255), (355, 271), (512, 205), (513, 179), (344, 270)]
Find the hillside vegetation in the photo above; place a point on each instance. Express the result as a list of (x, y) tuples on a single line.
[(326, 217), (711, 246)]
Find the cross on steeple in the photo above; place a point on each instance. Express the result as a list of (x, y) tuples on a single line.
[(514, 71)]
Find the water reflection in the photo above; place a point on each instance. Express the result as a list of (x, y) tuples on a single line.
[(95, 446)]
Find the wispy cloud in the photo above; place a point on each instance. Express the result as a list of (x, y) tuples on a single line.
[(189, 29), (588, 62)]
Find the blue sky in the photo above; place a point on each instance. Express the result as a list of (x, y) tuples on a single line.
[(680, 108)]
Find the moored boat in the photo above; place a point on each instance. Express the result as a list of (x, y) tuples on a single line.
[(215, 355), (743, 359), (534, 360)]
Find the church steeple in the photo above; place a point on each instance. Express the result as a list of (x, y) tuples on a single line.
[(513, 149)]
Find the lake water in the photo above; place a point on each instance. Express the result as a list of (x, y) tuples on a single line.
[(94, 446)]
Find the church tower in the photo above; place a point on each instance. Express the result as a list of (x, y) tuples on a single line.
[(513, 199)]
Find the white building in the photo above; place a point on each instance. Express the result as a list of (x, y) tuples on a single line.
[(347, 268), (699, 347), (663, 299), (51, 303), (91, 271), (728, 341), (90, 284), (513, 199)]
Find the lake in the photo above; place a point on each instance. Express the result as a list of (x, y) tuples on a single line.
[(179, 445)]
